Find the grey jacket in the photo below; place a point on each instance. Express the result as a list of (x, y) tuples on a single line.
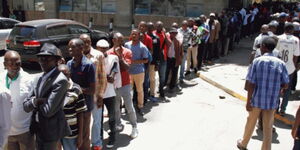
[(50, 125)]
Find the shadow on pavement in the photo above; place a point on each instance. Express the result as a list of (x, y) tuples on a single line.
[(259, 136), (282, 125), (123, 140)]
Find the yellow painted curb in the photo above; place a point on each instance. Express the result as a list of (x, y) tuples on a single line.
[(240, 97)]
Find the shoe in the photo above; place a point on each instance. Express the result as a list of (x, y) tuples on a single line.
[(181, 81), (195, 70), (239, 146), (179, 88), (293, 91), (110, 143), (119, 128), (282, 113), (187, 73), (140, 111), (134, 133), (96, 148), (153, 99)]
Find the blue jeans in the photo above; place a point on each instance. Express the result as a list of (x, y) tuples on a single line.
[(286, 95), (146, 82), (97, 126), (182, 66), (162, 75), (69, 143)]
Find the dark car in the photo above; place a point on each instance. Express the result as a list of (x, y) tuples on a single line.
[(27, 38), (6, 24)]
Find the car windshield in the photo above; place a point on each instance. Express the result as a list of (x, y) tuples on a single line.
[(23, 33)]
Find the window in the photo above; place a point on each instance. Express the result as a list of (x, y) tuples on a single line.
[(158, 7), (108, 5), (193, 10), (65, 5), (142, 6), (79, 5), (23, 33), (58, 30), (77, 29), (39, 5), (176, 7), (94, 5)]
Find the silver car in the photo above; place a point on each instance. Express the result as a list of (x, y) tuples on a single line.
[(6, 25)]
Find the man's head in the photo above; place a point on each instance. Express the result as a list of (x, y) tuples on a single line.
[(212, 16), (159, 26), (173, 32), (65, 70), (267, 45), (273, 26), (184, 24), (150, 27), (175, 25), (289, 28), (76, 47), (191, 22), (203, 18), (264, 28), (135, 35), (118, 39), (143, 27), (87, 43), (102, 45), (12, 62), (48, 57)]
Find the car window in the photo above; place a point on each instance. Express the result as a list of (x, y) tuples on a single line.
[(58, 30), (8, 24), (77, 29), (23, 32), (1, 25)]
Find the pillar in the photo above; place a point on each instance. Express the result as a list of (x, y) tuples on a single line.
[(124, 15)]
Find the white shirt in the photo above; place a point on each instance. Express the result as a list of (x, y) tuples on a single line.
[(20, 120), (259, 38), (109, 61), (94, 55), (5, 108), (171, 51), (288, 47)]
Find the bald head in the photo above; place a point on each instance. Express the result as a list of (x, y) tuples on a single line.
[(159, 26), (11, 54), (143, 26), (150, 26), (87, 43), (12, 62), (264, 28), (118, 39)]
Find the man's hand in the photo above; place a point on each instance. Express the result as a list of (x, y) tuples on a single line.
[(39, 101), (110, 79), (99, 101), (248, 107), (79, 141)]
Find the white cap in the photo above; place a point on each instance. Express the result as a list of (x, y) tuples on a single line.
[(102, 43), (296, 26)]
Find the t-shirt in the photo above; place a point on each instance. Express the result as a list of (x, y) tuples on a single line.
[(156, 48), (139, 52), (84, 75), (163, 45), (112, 65), (75, 105), (147, 41), (288, 47), (127, 56)]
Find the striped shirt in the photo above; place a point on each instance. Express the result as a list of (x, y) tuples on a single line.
[(268, 73), (75, 104)]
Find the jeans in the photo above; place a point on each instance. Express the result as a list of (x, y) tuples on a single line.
[(286, 95), (294, 81), (171, 67), (162, 75), (182, 66), (124, 92), (202, 54), (110, 106), (146, 83), (69, 143), (97, 126)]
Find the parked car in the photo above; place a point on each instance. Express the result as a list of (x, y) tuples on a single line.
[(6, 24), (27, 38)]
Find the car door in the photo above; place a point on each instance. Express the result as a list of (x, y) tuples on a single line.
[(60, 36)]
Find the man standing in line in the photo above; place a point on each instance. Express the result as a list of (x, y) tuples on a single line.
[(20, 84), (83, 73), (46, 101), (136, 69), (125, 57), (162, 56), (192, 51), (288, 47), (266, 72)]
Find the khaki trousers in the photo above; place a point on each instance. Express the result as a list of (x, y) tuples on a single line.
[(138, 81), (268, 119), (23, 141), (192, 51), (152, 79)]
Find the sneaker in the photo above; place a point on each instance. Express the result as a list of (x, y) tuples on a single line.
[(187, 73), (96, 148), (134, 133), (140, 111), (119, 127), (195, 70), (153, 99), (110, 143)]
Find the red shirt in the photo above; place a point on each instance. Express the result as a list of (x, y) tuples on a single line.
[(147, 41), (162, 37), (126, 55)]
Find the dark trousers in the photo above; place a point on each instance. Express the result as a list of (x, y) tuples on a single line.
[(110, 106), (42, 145), (210, 51), (86, 131), (24, 141), (171, 66), (297, 142), (201, 53), (162, 75), (294, 81)]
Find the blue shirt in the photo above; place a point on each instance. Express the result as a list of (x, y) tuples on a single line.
[(139, 52), (268, 73), (84, 75)]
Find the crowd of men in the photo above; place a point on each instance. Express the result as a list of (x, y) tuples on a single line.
[(54, 109)]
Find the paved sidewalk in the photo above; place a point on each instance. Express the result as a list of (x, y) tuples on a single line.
[(229, 73)]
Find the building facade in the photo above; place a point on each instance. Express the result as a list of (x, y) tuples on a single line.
[(122, 12)]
